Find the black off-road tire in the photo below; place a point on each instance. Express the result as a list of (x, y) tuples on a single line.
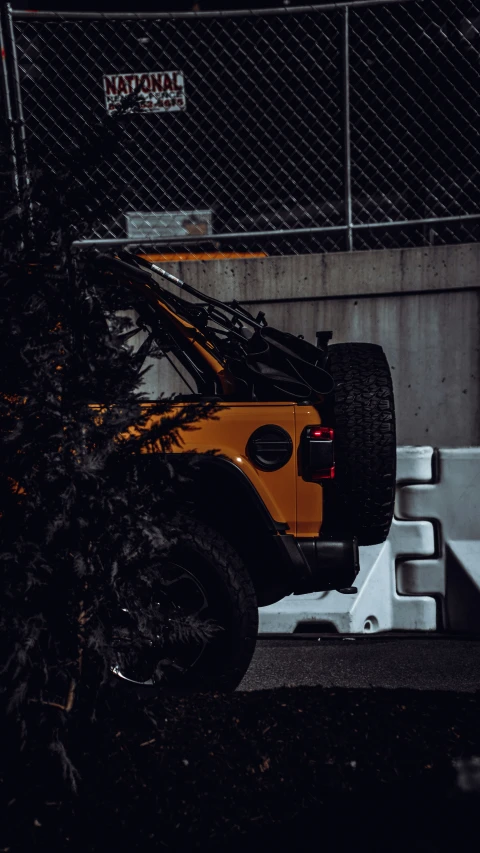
[(360, 500), (229, 589)]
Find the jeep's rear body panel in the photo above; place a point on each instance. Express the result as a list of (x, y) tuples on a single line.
[(289, 499), (267, 387)]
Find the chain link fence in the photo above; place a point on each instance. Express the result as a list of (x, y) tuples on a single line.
[(284, 131)]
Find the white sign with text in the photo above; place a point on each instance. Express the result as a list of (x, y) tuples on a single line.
[(177, 223), (159, 91)]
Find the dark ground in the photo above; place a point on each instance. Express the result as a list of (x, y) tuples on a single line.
[(423, 661), (290, 768)]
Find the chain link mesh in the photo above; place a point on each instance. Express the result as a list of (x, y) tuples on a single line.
[(261, 141), (414, 119)]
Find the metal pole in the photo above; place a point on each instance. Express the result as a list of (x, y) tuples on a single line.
[(7, 110), (12, 78), (269, 235), (26, 14), (347, 164)]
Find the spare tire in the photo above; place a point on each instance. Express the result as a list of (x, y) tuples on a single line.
[(360, 500)]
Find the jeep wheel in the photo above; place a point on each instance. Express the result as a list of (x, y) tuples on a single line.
[(207, 580), (360, 500)]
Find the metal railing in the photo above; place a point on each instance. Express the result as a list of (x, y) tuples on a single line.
[(302, 129)]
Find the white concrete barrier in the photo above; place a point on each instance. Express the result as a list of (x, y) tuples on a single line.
[(452, 502), (426, 576)]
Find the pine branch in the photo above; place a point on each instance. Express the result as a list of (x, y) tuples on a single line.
[(78, 525)]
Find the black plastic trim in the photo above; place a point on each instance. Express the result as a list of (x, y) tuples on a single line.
[(333, 564), (317, 455), (291, 555), (202, 460), (283, 563)]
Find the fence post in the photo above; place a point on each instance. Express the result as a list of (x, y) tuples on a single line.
[(12, 94), (347, 164), (7, 107)]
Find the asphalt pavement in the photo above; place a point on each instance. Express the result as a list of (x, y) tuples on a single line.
[(422, 662)]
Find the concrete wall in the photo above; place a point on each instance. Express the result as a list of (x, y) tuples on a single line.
[(422, 305)]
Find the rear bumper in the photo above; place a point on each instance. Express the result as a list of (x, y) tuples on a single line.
[(319, 564)]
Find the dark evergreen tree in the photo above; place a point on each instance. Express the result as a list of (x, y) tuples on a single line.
[(84, 539)]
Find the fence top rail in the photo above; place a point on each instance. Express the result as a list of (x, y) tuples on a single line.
[(282, 232), (29, 14)]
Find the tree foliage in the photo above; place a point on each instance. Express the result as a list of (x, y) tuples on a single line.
[(83, 536)]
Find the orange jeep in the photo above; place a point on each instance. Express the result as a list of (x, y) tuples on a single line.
[(303, 463)]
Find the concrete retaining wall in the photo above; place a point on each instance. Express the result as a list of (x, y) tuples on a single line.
[(422, 305)]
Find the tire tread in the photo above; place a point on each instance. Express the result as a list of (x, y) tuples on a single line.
[(365, 440)]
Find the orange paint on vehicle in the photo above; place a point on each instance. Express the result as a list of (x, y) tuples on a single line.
[(228, 435), (288, 497)]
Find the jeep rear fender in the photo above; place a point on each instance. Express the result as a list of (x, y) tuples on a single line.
[(224, 498)]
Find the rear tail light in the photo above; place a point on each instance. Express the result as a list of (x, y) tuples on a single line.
[(318, 461), (324, 433)]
